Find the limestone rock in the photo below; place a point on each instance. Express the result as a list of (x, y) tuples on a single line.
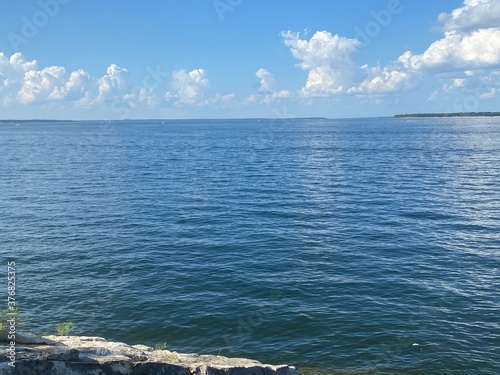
[(83, 355)]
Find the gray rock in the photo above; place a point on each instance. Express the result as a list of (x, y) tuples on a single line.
[(159, 368), (30, 339), (40, 353), (82, 355)]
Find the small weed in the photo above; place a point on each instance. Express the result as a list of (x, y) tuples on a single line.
[(161, 346), (64, 328)]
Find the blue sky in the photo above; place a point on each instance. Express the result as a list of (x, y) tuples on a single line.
[(119, 59)]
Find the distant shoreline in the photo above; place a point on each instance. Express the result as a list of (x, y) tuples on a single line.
[(9, 121), (406, 115), (455, 114), (34, 120)]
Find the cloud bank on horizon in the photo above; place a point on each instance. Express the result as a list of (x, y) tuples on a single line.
[(464, 61)]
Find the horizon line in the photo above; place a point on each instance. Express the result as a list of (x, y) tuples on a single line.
[(190, 119), (417, 114)]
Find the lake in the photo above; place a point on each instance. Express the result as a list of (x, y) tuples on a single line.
[(350, 246)]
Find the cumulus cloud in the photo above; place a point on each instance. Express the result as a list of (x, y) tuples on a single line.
[(52, 83), (267, 98), (471, 40), (23, 83), (223, 101), (12, 71), (456, 83), (383, 81), (16, 65), (331, 69), (113, 84), (41, 84), (75, 87), (267, 92), (471, 43), (267, 81), (477, 49), (473, 15), (484, 84), (190, 87), (140, 97), (328, 60)]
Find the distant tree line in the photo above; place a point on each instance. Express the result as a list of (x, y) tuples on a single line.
[(455, 114)]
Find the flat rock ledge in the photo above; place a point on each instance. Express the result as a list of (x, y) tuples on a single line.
[(82, 355)]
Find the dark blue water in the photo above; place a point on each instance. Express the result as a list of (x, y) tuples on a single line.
[(368, 246)]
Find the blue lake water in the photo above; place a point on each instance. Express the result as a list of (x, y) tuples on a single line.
[(361, 246)]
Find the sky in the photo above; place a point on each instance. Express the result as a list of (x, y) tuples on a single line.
[(124, 59)]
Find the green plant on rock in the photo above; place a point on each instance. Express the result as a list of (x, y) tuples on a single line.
[(64, 328), (161, 346)]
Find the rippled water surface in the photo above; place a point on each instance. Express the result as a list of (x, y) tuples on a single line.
[(367, 246)]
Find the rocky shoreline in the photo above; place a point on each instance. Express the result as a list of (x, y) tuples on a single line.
[(82, 355)]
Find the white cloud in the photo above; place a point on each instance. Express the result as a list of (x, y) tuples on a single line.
[(22, 83), (268, 98), (328, 60), (383, 81), (74, 88), (222, 101), (275, 96), (41, 85), (332, 70), (458, 51), (113, 84), (16, 65), (267, 81), (52, 83), (456, 83), (473, 15), (12, 71), (466, 92), (267, 92), (471, 43), (140, 97), (490, 94), (471, 40), (190, 87)]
